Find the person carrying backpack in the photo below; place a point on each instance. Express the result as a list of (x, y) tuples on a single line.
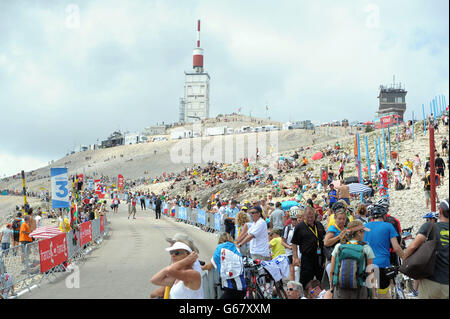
[(227, 260), (349, 262), (16, 223)]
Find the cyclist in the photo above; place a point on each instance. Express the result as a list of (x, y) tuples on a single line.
[(381, 235), (396, 223)]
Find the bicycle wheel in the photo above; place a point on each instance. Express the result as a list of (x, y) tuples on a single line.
[(254, 292), (281, 293), (397, 291)]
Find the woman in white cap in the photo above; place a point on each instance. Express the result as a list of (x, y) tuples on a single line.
[(184, 280)]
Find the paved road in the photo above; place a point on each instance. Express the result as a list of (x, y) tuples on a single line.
[(124, 263)]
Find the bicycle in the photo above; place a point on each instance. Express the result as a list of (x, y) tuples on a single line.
[(402, 283), (397, 292), (406, 282), (260, 284)]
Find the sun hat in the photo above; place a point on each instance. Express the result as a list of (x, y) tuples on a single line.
[(184, 238), (179, 245), (358, 227)]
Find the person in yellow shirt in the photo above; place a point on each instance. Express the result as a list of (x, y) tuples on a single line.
[(331, 220), (275, 243), (409, 163), (64, 225)]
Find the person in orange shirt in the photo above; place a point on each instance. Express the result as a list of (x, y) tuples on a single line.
[(25, 230), (24, 236)]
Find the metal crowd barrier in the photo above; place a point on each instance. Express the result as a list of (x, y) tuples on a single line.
[(212, 288), (22, 263)]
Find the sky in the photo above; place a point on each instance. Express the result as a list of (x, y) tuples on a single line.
[(72, 72)]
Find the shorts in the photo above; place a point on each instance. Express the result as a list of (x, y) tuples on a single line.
[(429, 289), (427, 194), (16, 236), (384, 281), (346, 200), (440, 171)]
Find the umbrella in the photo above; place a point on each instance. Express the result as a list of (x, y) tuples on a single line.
[(45, 232), (352, 179), (317, 156), (286, 205), (357, 188)]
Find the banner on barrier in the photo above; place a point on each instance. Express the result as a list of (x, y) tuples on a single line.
[(60, 187), (201, 216), (52, 252), (217, 222), (102, 224), (85, 233), (182, 213)]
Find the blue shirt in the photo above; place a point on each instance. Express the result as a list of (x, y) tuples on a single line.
[(232, 212), (333, 229), (379, 239), (332, 195)]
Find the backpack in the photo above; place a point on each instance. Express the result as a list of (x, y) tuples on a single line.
[(349, 269), (395, 223), (16, 225)]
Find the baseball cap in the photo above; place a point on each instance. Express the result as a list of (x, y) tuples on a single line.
[(179, 245)]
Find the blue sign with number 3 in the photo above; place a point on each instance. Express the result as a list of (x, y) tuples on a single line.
[(60, 190)]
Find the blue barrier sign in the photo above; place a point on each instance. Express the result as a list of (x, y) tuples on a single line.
[(60, 187), (201, 216), (217, 221)]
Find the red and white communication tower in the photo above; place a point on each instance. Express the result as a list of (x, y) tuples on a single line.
[(194, 105), (198, 52)]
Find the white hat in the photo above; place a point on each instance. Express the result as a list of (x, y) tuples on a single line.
[(179, 245)]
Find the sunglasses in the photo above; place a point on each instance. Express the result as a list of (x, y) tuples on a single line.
[(176, 253), (291, 289)]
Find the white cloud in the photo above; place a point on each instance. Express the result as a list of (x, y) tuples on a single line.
[(124, 63), (11, 164)]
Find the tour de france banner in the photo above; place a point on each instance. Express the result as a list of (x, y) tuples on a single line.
[(85, 233), (102, 224), (52, 252), (60, 187)]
